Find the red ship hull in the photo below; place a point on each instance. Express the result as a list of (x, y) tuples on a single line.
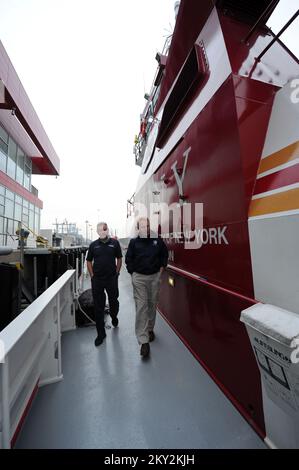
[(210, 286)]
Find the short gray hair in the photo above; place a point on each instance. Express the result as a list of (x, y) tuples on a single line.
[(99, 225)]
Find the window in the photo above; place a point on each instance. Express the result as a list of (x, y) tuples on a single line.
[(20, 166), (10, 195), (3, 147), (3, 140), (9, 213), (25, 219), (19, 200), (1, 230), (9, 226), (12, 149), (18, 212), (17, 216), (9, 208), (12, 159), (36, 223), (27, 177), (191, 78), (3, 135), (28, 163), (3, 160), (31, 220)]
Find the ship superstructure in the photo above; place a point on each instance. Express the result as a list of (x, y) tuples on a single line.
[(220, 128)]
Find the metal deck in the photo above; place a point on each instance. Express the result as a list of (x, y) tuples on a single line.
[(110, 398)]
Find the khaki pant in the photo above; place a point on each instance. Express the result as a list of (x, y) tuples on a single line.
[(146, 291)]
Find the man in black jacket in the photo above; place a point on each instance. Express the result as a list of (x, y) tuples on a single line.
[(104, 259), (146, 259)]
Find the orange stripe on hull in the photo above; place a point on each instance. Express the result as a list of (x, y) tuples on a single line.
[(284, 155), (280, 202)]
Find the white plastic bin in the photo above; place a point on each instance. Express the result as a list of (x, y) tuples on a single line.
[(274, 336)]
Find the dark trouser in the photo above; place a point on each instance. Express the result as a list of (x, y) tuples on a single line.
[(99, 286)]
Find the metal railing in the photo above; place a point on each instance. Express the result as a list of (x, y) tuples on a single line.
[(30, 352), (139, 149), (10, 234), (6, 234)]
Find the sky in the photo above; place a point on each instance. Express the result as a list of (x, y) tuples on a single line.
[(86, 67)]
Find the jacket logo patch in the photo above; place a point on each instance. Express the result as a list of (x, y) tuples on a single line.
[(155, 242)]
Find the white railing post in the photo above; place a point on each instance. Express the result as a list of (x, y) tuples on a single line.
[(6, 438), (74, 287), (52, 371), (59, 334), (73, 305), (82, 272), (35, 275), (67, 307), (77, 276)]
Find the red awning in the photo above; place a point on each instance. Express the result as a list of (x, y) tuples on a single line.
[(20, 120)]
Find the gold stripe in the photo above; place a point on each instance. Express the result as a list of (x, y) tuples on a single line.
[(284, 155), (280, 202)]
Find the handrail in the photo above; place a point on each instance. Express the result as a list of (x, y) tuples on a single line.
[(12, 332), (203, 281)]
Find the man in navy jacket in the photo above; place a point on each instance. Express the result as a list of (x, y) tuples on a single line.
[(146, 259)]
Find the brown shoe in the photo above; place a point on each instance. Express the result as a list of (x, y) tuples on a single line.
[(145, 350), (151, 336)]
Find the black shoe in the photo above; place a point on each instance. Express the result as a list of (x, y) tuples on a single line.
[(151, 336), (145, 349), (114, 321), (99, 340)]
